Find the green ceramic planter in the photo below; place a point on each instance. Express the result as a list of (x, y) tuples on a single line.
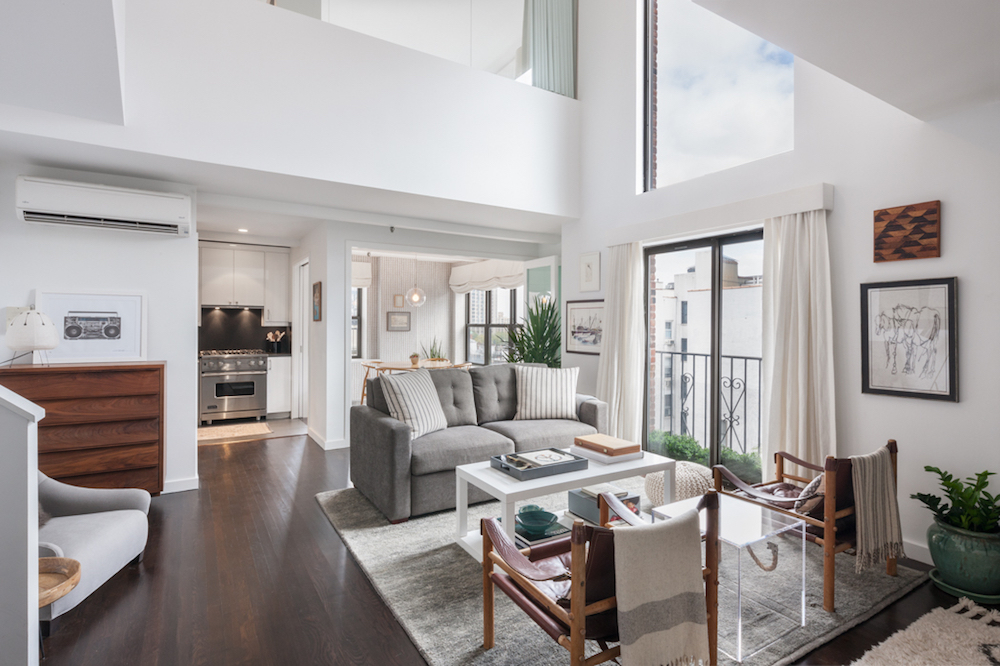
[(967, 560)]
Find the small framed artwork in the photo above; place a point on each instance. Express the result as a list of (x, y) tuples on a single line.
[(909, 337), (397, 321), (584, 326), (317, 301), (908, 232), (397, 301), (95, 327), (590, 271)]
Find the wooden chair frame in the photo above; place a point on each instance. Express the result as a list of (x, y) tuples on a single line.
[(522, 570), (828, 539)]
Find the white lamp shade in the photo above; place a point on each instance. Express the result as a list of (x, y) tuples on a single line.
[(30, 331), (416, 297)]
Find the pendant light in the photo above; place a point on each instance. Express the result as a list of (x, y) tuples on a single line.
[(415, 296)]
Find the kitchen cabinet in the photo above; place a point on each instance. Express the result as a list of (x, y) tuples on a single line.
[(279, 385), (276, 290), (232, 277)]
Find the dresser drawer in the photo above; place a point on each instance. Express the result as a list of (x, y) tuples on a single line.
[(73, 463), (61, 386), (147, 478), (97, 435), (96, 410)]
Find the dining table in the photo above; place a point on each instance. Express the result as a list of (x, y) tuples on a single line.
[(381, 367)]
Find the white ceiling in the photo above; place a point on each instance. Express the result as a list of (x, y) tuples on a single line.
[(929, 58)]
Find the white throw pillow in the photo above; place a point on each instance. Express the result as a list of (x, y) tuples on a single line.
[(546, 393), (412, 399)]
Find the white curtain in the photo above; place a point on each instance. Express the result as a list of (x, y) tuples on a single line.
[(798, 398), (361, 274), (551, 48), (623, 343), (486, 275)]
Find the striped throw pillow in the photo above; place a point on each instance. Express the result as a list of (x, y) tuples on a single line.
[(546, 393), (412, 399)]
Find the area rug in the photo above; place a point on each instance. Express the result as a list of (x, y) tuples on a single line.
[(963, 635), (229, 431), (435, 589)]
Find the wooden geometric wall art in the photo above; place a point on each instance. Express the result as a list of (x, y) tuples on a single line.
[(908, 232)]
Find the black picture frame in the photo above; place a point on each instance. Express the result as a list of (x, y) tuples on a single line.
[(902, 326), (585, 341)]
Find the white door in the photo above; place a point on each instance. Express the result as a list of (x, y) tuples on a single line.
[(248, 278), (300, 341), (276, 292), (216, 276)]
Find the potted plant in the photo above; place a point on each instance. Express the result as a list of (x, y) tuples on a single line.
[(539, 339), (964, 540), (415, 359)]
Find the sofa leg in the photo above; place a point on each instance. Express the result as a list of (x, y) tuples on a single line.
[(397, 522), (137, 560), (48, 627)]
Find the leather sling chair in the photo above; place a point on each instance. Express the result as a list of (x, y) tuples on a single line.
[(829, 513), (567, 586)]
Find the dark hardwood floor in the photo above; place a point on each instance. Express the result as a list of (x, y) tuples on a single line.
[(247, 570)]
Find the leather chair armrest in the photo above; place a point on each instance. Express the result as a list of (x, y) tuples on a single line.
[(380, 461), (553, 548)]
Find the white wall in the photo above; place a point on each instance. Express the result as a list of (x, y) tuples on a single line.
[(244, 84), (876, 156), (47, 258), (432, 320)]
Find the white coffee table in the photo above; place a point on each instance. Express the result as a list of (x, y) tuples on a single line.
[(509, 490)]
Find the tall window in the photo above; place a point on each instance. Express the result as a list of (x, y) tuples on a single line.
[(356, 305), (717, 96), (489, 317), (703, 396)]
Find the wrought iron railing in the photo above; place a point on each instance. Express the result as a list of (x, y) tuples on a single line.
[(680, 388)]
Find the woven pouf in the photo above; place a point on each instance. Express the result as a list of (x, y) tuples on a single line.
[(691, 479)]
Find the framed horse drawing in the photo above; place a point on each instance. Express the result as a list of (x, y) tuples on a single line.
[(909, 338)]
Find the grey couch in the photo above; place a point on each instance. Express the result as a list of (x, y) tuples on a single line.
[(406, 477), (103, 529)]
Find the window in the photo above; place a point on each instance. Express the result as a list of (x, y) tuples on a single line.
[(704, 397), (716, 95), (489, 317), (668, 330), (357, 294)]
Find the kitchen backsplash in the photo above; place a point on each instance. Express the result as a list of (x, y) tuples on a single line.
[(238, 329)]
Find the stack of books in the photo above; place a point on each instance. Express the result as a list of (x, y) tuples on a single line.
[(605, 448), (525, 539)]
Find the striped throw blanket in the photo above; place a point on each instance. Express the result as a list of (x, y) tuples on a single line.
[(661, 595), (877, 511)]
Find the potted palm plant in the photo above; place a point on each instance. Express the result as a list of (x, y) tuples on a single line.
[(539, 339), (964, 540)]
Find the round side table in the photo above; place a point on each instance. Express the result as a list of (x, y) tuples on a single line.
[(57, 576)]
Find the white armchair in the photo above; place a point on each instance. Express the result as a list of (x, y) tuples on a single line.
[(103, 529)]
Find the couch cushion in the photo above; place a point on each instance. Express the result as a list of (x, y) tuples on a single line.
[(495, 391), (546, 393), (446, 449), (102, 542), (454, 389), (374, 396), (541, 434), (413, 400)]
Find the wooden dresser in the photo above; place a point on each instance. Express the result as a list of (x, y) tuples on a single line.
[(103, 425)]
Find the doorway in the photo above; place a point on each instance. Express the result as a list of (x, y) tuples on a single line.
[(301, 314)]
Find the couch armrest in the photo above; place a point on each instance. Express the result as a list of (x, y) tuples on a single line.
[(62, 499), (380, 460), (49, 550), (593, 412)]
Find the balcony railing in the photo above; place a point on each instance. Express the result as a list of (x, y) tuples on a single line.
[(679, 398)]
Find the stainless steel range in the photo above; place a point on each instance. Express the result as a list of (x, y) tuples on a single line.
[(233, 384)]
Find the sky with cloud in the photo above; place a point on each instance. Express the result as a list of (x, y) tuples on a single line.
[(724, 95)]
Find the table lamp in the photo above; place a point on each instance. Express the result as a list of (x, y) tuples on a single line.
[(31, 331)]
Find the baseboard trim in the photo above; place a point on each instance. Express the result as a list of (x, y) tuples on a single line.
[(327, 444), (917, 551), (180, 485)]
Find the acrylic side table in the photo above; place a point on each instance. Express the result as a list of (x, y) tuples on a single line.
[(762, 573)]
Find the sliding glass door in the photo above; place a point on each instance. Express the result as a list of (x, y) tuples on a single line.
[(703, 314)]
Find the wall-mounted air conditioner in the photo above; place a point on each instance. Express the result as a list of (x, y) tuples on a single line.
[(45, 201)]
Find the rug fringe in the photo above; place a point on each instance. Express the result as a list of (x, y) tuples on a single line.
[(976, 612)]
